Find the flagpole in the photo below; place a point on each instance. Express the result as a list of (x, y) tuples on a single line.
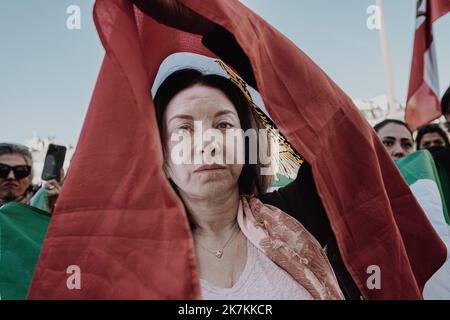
[(386, 60)]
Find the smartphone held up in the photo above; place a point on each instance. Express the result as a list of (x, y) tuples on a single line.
[(54, 162)]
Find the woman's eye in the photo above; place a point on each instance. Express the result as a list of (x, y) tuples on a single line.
[(224, 125), (407, 145), (388, 143), (184, 128)]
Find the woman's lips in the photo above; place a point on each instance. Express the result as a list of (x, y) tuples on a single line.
[(10, 184), (210, 167)]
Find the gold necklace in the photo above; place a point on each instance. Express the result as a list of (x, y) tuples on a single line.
[(218, 253)]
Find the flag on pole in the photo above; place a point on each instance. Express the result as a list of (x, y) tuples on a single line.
[(422, 104), (120, 221)]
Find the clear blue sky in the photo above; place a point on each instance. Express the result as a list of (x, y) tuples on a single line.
[(47, 72)]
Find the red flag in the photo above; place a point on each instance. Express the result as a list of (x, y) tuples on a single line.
[(423, 94), (121, 223), (118, 219)]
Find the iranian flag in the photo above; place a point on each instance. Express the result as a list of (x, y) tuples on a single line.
[(423, 94), (22, 232), (420, 171)]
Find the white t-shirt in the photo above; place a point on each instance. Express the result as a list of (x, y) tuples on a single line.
[(261, 279)]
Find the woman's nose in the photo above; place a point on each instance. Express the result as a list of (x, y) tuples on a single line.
[(199, 144), (207, 142), (11, 175), (397, 151), (205, 145)]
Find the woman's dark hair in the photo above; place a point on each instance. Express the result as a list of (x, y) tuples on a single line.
[(445, 102), (431, 128), (250, 181), (385, 122)]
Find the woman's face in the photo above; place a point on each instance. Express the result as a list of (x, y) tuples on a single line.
[(196, 153), (432, 139), (11, 187), (397, 140)]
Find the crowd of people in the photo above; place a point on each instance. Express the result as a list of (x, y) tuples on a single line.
[(16, 163), (399, 140), (16, 171)]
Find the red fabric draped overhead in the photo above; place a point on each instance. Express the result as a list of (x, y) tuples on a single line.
[(119, 220)]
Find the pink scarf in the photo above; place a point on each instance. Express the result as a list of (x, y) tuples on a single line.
[(288, 244)]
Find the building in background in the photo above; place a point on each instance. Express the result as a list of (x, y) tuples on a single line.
[(376, 109)]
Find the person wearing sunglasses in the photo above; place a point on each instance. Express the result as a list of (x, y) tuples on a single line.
[(15, 173)]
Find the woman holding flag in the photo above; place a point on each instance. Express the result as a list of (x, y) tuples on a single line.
[(134, 240)]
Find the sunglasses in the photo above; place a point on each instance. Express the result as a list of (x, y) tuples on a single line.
[(20, 172)]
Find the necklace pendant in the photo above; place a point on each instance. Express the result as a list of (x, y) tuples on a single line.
[(218, 254)]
